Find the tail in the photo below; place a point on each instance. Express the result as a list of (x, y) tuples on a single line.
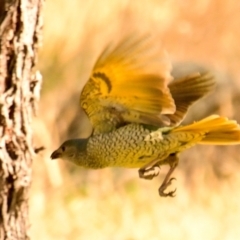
[(186, 91), (218, 130)]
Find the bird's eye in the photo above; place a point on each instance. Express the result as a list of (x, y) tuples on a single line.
[(63, 148)]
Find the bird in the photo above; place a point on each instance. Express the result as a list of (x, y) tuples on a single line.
[(136, 110)]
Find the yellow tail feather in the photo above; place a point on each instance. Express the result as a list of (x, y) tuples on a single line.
[(218, 130)]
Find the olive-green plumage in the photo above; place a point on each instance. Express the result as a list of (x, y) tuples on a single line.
[(134, 145)]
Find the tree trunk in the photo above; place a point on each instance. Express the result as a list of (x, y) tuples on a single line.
[(20, 35)]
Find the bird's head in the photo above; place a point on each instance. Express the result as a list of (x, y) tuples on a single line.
[(71, 150)]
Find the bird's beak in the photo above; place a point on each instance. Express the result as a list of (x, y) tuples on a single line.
[(56, 154)]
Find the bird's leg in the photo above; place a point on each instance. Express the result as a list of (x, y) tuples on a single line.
[(173, 162)]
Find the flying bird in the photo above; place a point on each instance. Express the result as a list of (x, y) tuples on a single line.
[(136, 108)]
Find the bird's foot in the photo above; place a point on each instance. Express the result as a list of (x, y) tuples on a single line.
[(149, 173), (164, 186), (173, 162)]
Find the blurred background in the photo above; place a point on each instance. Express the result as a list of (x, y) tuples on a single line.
[(67, 202)]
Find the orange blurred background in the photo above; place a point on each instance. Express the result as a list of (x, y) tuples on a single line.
[(67, 202)]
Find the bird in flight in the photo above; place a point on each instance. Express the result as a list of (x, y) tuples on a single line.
[(136, 109)]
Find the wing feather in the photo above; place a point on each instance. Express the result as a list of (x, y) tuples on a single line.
[(131, 83), (128, 84)]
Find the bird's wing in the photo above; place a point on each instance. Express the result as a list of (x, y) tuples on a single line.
[(128, 84), (187, 90)]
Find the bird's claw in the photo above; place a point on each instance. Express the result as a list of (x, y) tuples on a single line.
[(164, 186), (169, 194), (149, 173)]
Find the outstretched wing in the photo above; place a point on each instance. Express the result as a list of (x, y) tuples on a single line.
[(187, 90), (128, 84)]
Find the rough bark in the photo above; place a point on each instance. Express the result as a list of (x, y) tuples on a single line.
[(20, 32)]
